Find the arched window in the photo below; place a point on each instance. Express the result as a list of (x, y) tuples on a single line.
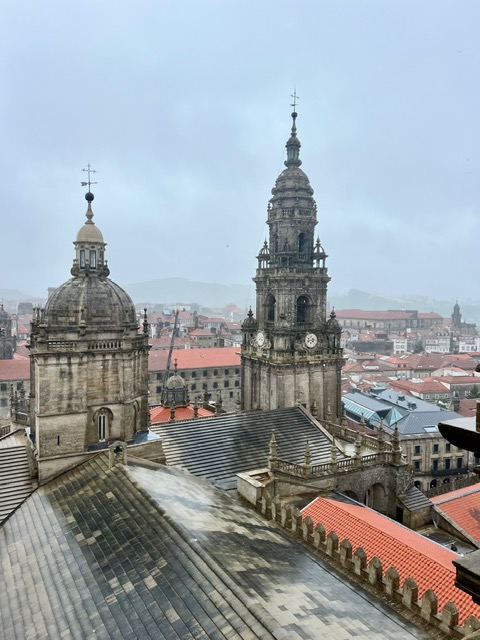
[(303, 310), (270, 308), (93, 259), (103, 422), (102, 427)]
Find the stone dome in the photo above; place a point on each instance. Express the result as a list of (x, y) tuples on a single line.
[(96, 303), (249, 322), (175, 382), (90, 233)]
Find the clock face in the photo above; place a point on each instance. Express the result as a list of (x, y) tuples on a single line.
[(260, 338), (311, 340)]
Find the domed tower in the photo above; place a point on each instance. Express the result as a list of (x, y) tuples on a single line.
[(89, 362), (292, 352)]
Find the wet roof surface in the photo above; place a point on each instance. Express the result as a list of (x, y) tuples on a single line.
[(218, 448), (146, 551)]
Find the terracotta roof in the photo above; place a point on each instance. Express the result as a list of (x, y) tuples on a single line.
[(373, 315), (164, 341), (195, 358), (162, 414), (202, 332), (463, 507), (430, 315), (21, 352), (16, 369), (428, 563), (422, 386)]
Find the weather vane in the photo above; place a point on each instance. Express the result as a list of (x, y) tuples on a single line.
[(295, 98), (88, 170)]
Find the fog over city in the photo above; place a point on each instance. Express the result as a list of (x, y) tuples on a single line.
[(183, 108)]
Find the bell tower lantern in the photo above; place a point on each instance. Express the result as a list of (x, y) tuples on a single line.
[(291, 352)]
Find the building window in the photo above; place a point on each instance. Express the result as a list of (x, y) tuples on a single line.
[(226, 384), (194, 374), (227, 371), (237, 371), (159, 376), (182, 374), (459, 463), (417, 450), (82, 258), (215, 372), (3, 387), (159, 389), (204, 386), (448, 447), (237, 383), (205, 373), (447, 463), (93, 259), (270, 308), (231, 394), (417, 465), (215, 385), (435, 448), (193, 387), (303, 310), (102, 427), (435, 465)]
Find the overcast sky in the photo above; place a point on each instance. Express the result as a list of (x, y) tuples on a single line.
[(183, 108)]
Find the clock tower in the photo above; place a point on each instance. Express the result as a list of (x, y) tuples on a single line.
[(291, 352)]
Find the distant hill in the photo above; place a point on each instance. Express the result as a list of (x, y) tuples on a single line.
[(357, 299), (181, 291), (14, 294)]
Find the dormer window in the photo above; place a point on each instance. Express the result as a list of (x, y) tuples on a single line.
[(82, 258), (93, 259)]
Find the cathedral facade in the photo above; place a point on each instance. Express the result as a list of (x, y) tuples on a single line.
[(291, 352), (89, 362)]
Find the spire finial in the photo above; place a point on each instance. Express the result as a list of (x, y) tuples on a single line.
[(295, 98), (88, 170), (293, 144)]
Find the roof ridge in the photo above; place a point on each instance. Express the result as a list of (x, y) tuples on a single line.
[(468, 492)]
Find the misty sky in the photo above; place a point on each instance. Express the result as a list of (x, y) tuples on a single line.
[(183, 107)]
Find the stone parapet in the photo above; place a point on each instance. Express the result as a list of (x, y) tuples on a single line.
[(384, 584)]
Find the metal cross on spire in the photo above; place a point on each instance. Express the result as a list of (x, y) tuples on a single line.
[(295, 98), (88, 170)]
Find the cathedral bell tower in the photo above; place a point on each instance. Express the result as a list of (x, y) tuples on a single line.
[(290, 352)]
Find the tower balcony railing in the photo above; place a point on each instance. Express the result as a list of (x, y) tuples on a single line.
[(278, 270)]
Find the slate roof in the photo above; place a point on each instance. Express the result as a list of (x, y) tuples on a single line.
[(462, 509), (427, 562), (218, 448), (418, 422), (414, 499), (146, 551)]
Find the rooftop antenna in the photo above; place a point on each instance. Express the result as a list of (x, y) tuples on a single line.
[(88, 170)]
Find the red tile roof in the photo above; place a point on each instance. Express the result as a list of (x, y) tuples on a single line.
[(162, 414), (195, 358), (463, 507), (428, 563), (16, 369), (373, 315)]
